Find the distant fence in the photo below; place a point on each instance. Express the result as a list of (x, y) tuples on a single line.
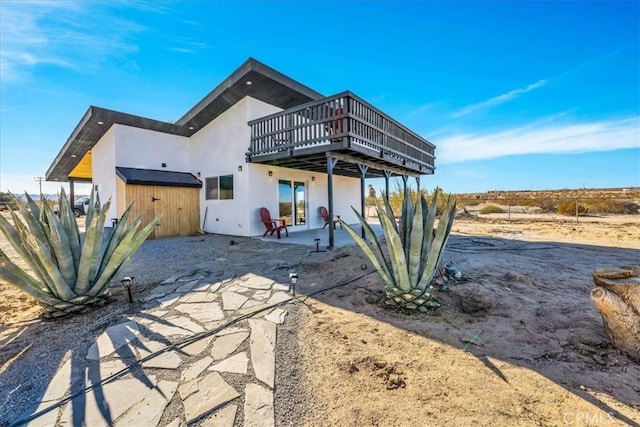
[(542, 208), (550, 208)]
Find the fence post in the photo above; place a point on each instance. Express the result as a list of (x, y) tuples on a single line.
[(577, 216)]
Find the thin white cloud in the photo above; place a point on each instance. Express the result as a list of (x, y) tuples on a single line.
[(541, 137), (501, 99), (68, 34), (418, 111), (187, 45)]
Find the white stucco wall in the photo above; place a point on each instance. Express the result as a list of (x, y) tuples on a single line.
[(146, 149), (103, 167), (135, 148)]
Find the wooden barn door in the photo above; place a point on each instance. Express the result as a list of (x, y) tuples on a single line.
[(180, 208)]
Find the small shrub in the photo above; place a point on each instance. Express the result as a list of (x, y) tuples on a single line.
[(489, 209), (568, 207), (612, 206)]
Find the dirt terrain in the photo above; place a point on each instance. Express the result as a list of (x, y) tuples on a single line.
[(516, 341)]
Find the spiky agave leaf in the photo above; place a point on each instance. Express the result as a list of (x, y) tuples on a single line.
[(31, 219), (389, 211), (396, 252), (70, 226), (52, 248), (414, 258), (14, 236), (14, 275), (61, 247), (129, 244), (91, 255), (373, 251), (414, 244), (54, 277), (439, 243), (429, 218)]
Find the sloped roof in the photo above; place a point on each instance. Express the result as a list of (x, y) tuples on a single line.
[(157, 177), (252, 78)]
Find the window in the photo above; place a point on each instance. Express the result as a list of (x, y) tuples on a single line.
[(291, 201), (226, 187), (219, 187)]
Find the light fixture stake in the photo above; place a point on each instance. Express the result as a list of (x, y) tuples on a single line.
[(127, 282), (293, 279)]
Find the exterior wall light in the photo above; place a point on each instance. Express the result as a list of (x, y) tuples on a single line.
[(198, 174), (240, 168), (270, 173), (313, 178)]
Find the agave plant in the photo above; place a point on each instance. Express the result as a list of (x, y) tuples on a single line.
[(414, 248), (69, 272)]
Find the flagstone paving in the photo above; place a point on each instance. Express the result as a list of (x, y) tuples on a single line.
[(208, 378)]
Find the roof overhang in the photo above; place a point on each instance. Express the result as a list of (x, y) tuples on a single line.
[(251, 79), (135, 176)]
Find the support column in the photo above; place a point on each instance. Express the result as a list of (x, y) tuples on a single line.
[(72, 192), (404, 180), (331, 162), (387, 175), (363, 175), (418, 182)]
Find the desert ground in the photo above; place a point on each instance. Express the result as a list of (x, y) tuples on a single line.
[(516, 341)]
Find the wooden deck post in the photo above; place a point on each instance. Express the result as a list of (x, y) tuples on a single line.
[(331, 162), (363, 175), (387, 175), (72, 192)]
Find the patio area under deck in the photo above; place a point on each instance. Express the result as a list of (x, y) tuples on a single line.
[(344, 135)]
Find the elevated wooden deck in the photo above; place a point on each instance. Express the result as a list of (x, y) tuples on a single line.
[(343, 127)]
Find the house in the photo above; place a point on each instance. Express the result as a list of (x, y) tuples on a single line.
[(259, 139)]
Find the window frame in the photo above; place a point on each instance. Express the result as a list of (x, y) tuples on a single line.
[(219, 192)]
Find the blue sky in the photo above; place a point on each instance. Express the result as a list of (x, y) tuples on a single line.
[(515, 95)]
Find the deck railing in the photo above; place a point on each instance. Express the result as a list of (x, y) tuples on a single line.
[(338, 122)]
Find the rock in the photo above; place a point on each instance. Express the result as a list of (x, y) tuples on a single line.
[(278, 297), (253, 281), (197, 347), (225, 417), (258, 406), (198, 297), (202, 312), (227, 344), (103, 405), (263, 344), (150, 408), (207, 393), (236, 364), (232, 301), (188, 287), (195, 369), (276, 316), (112, 339), (176, 325)]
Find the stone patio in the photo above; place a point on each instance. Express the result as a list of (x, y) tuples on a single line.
[(225, 376)]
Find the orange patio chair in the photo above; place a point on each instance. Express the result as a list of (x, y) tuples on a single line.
[(324, 213), (272, 226)]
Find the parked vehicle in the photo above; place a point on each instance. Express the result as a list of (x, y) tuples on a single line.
[(80, 207)]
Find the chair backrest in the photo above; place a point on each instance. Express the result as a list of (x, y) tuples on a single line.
[(324, 213), (265, 216)]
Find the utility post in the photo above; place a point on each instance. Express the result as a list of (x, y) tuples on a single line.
[(39, 180)]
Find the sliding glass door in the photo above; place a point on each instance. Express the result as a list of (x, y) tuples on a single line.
[(292, 202)]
